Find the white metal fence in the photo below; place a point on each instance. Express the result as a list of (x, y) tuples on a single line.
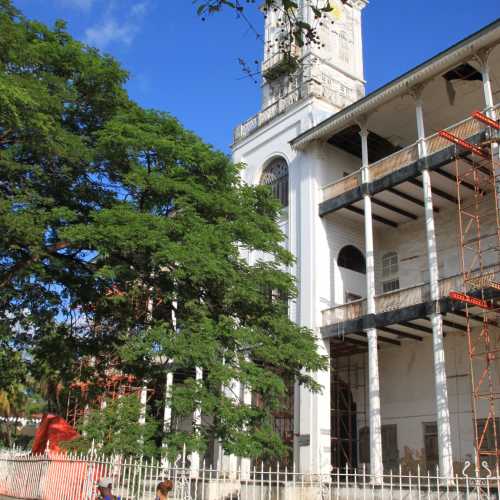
[(72, 476)]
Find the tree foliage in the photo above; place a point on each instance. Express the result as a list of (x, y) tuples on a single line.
[(122, 248), (55, 95), (117, 429)]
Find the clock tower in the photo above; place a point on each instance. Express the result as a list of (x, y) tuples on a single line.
[(331, 69)]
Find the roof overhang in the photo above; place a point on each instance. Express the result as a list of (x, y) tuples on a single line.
[(462, 51)]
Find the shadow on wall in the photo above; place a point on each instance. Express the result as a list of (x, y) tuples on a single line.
[(352, 268)]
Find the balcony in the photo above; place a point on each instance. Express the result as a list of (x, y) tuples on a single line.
[(280, 63), (395, 187), (402, 158), (390, 301), (408, 308)]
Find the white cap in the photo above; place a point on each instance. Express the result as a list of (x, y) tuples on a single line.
[(105, 482)]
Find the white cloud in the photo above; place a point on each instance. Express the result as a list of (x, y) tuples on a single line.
[(79, 4), (115, 28), (139, 9), (104, 34)]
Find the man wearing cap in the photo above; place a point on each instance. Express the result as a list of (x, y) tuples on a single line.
[(104, 487)]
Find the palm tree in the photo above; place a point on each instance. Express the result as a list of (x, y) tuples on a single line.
[(12, 404)]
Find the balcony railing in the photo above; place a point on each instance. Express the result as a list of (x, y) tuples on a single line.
[(400, 159), (278, 57), (404, 297), (393, 162), (345, 312), (345, 184), (267, 114)]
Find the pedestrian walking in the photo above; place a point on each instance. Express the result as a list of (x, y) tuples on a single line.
[(104, 487), (163, 489)]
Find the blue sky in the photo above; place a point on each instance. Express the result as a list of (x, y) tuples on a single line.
[(190, 68)]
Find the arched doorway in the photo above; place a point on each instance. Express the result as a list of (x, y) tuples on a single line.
[(344, 429)]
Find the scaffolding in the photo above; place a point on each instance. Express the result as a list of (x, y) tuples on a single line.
[(477, 170), (282, 422), (83, 396), (347, 376)]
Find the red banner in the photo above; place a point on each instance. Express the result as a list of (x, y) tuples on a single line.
[(462, 297)]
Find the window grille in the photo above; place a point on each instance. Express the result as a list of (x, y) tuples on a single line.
[(390, 285), (390, 264), (390, 270), (276, 177)]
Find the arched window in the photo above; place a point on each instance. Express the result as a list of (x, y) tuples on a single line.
[(352, 258), (275, 175)]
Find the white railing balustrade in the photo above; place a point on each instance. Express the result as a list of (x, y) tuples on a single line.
[(267, 114), (75, 476)]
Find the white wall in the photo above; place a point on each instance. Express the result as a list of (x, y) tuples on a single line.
[(306, 239), (409, 241)]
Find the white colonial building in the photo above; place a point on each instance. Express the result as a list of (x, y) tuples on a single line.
[(375, 211)]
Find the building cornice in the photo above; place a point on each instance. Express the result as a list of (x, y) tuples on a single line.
[(488, 36)]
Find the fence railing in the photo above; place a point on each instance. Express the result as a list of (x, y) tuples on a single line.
[(71, 477)]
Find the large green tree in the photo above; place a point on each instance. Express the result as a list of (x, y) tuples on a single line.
[(55, 95), (123, 241)]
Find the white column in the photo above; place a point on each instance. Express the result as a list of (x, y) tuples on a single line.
[(375, 424), (143, 401), (442, 408), (169, 381), (195, 455), (488, 101), (245, 464), (144, 390), (167, 412), (482, 57), (306, 280), (419, 110), (294, 248), (229, 462), (314, 418)]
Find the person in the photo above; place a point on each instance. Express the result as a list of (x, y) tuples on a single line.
[(104, 487), (162, 489)]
